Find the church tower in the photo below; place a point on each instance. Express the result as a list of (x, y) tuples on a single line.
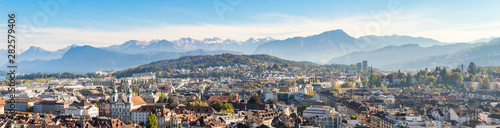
[(129, 95), (115, 95)]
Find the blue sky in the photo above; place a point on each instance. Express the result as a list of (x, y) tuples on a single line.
[(103, 23)]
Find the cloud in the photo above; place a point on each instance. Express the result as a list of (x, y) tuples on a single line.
[(274, 25)]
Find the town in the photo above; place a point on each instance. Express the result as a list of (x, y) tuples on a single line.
[(269, 95)]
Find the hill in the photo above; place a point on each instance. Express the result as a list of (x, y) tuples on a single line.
[(205, 61), (486, 54), (397, 54)]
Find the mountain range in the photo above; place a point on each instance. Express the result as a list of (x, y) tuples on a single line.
[(34, 53), (322, 47), (487, 54), (396, 54), (336, 46), (189, 44), (83, 59)]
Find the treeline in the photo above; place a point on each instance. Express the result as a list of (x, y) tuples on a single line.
[(66, 75), (254, 63)]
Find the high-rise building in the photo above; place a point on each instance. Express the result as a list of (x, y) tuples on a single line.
[(365, 65), (359, 66)]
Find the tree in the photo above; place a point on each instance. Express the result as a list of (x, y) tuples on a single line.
[(353, 117), (255, 100), (456, 70), (471, 78), (390, 77), (373, 79), (444, 75), (227, 108), (347, 85), (384, 88), (365, 82), (486, 83), (472, 69), (457, 79), (430, 80), (336, 85), (162, 99), (135, 89), (152, 122), (301, 81), (479, 79), (276, 67), (198, 104), (170, 99), (217, 106), (122, 87)]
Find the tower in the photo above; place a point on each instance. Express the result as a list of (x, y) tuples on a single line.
[(115, 95), (129, 95), (359, 66), (365, 65)]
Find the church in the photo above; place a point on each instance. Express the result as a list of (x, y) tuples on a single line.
[(122, 106)]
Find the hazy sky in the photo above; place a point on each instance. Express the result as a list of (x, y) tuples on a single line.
[(103, 22)]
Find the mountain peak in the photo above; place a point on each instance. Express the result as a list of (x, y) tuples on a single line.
[(336, 32), (34, 48), (339, 33)]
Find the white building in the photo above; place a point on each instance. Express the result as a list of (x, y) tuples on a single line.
[(268, 95), (82, 108), (121, 107), (165, 117), (319, 111), (231, 118), (332, 121)]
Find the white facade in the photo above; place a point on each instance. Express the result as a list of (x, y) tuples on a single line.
[(324, 111), (332, 121), (121, 107), (268, 95), (90, 110)]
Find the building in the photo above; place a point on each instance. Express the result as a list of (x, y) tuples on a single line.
[(165, 117), (83, 108), (365, 65), (472, 84), (23, 104), (104, 106), (266, 116), (98, 96), (334, 120), (51, 107), (359, 66), (121, 107), (318, 111), (150, 97), (2, 106)]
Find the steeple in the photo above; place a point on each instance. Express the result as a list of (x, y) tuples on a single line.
[(115, 94), (129, 95), (129, 91)]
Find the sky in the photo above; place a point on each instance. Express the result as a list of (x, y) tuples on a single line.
[(54, 24)]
